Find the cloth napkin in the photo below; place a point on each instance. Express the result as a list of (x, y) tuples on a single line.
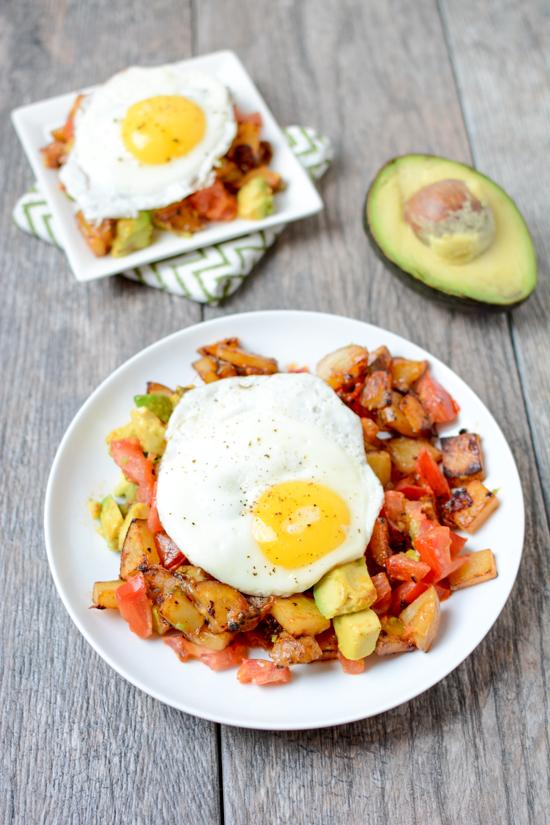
[(209, 274)]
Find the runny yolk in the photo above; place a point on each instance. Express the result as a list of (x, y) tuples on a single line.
[(158, 129), (297, 522)]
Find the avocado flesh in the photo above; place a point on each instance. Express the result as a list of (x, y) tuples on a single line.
[(500, 277), (345, 589)]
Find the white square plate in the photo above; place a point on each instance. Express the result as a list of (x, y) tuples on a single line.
[(33, 124)]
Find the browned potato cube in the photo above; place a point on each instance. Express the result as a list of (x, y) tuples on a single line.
[(415, 414), (380, 359), (406, 415), (479, 567), (462, 457), (469, 506), (421, 619), (104, 594), (154, 388), (221, 605), (404, 373), (376, 393), (370, 431), (341, 362), (139, 549), (206, 368), (380, 462), (181, 613), (393, 637), (405, 451)]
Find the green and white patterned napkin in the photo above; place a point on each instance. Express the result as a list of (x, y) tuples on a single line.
[(207, 275)]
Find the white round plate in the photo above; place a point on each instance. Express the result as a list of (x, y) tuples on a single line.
[(319, 695)]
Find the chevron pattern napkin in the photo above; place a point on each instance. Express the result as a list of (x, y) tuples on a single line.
[(207, 275)]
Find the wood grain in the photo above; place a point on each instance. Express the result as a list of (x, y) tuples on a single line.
[(474, 749), (504, 78), (81, 745)]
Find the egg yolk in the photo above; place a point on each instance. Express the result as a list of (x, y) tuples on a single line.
[(160, 129), (297, 522)]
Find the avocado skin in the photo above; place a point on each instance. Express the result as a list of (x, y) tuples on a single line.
[(453, 301)]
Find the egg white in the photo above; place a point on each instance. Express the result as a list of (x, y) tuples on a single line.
[(229, 441), (106, 180)]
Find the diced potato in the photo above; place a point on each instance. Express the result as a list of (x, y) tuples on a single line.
[(462, 457), (480, 566), (370, 431), (138, 550), (404, 372), (405, 451), (197, 574), (214, 641), (240, 358), (98, 235), (103, 594), (471, 517), (404, 415), (136, 510), (222, 607), (341, 362), (421, 619), (181, 613), (380, 462), (160, 625), (380, 359), (206, 368), (376, 393), (154, 388), (299, 615), (288, 650), (393, 637), (415, 414)]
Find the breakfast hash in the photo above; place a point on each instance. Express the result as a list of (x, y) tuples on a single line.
[(160, 148), (314, 516)]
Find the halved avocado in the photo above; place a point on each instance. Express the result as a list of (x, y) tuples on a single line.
[(445, 258)]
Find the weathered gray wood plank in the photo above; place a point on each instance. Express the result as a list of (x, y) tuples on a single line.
[(501, 63), (474, 749), (80, 745)]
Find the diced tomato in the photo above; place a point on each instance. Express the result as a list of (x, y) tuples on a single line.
[(153, 521), (394, 508), (379, 545), (134, 605), (411, 490), (383, 594), (433, 543), (406, 593), (170, 555), (127, 453), (431, 475), (261, 672), (352, 666), (230, 656), (457, 543), (443, 591), (403, 568), (215, 203), (251, 117), (440, 406)]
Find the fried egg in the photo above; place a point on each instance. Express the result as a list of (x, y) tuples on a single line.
[(147, 138), (265, 484)]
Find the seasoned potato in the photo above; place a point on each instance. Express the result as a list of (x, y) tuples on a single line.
[(154, 388), (299, 615), (415, 414), (376, 393), (479, 567), (247, 362), (138, 550), (405, 451), (421, 619), (341, 362), (206, 368), (380, 463), (404, 373), (103, 594), (405, 415), (290, 651), (393, 637), (214, 641), (181, 613), (222, 607), (462, 457), (160, 625), (370, 431), (469, 507), (379, 359)]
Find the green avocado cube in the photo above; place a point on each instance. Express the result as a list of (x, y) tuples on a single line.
[(132, 234), (357, 633), (110, 521), (160, 405), (345, 589), (255, 200)]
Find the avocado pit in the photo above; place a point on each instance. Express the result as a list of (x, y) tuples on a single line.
[(451, 220)]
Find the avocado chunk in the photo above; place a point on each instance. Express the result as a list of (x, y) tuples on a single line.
[(345, 589), (110, 521), (357, 633), (451, 232), (255, 200), (160, 405), (125, 489), (132, 234), (146, 427)]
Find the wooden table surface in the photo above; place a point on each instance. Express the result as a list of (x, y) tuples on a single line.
[(463, 78)]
